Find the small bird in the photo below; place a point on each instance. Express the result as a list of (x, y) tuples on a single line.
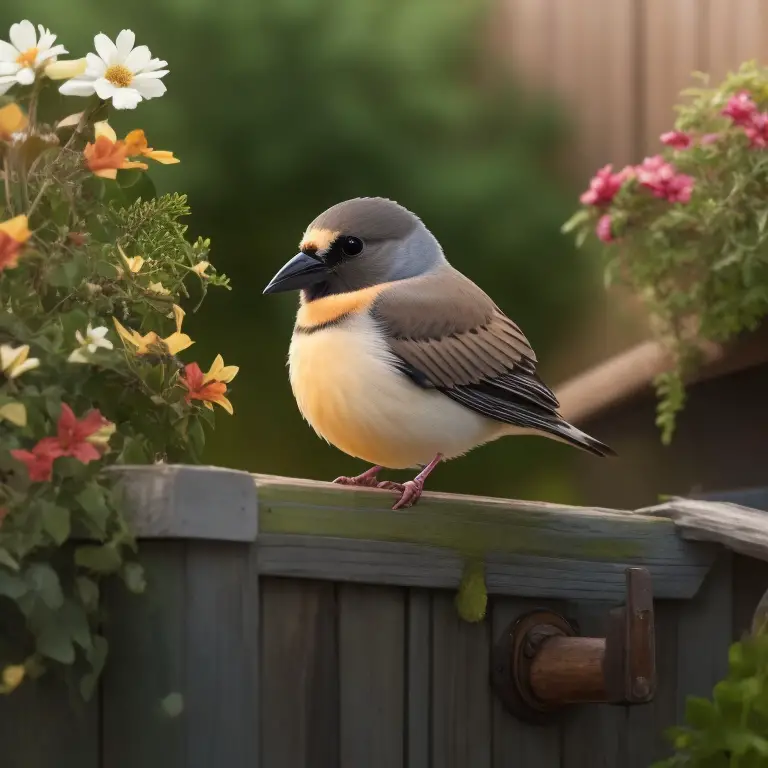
[(399, 359)]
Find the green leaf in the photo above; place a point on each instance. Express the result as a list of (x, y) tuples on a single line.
[(56, 521), (173, 704), (472, 598), (104, 559), (88, 591), (700, 713), (93, 501), (134, 577), (55, 643), (45, 582), (74, 621), (580, 217), (7, 560), (12, 586), (133, 452), (96, 657)]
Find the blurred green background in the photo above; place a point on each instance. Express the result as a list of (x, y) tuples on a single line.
[(281, 108)]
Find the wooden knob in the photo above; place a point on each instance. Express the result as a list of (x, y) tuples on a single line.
[(541, 664)]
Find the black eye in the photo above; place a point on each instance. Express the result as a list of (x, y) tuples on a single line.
[(351, 246)]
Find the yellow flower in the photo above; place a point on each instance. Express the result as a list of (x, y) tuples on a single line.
[(12, 677), (200, 267), (12, 119), (136, 143), (151, 342), (220, 372), (65, 70), (134, 263), (16, 413), (106, 156), (15, 360), (159, 288), (16, 228)]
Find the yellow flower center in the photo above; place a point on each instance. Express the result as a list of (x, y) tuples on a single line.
[(27, 58), (119, 75)]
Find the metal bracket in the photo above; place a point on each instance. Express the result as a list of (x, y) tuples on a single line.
[(540, 663)]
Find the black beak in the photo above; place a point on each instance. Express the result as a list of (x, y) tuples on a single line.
[(300, 272)]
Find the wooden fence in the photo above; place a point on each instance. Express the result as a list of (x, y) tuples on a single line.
[(620, 64)]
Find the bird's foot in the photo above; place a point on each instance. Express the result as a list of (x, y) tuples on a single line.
[(367, 479), (410, 491)]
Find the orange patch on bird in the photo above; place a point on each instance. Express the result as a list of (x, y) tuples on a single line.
[(318, 239), (330, 308)]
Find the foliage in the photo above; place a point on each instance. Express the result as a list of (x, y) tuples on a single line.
[(92, 271), (289, 106), (688, 229), (731, 730)]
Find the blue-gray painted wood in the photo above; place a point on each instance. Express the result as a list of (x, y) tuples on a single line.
[(194, 633), (461, 696), (412, 565), (515, 743), (418, 701), (300, 675), (372, 676)]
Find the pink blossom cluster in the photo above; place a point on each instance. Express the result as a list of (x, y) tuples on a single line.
[(604, 185), (744, 112), (663, 180)]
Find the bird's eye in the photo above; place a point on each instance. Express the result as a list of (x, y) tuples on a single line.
[(351, 246)]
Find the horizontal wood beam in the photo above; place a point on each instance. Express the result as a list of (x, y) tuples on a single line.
[(310, 529)]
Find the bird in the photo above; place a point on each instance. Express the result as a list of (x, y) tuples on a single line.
[(399, 359)]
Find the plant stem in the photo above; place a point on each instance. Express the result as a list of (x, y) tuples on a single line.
[(39, 197)]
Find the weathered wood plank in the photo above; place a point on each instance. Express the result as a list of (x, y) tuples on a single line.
[(418, 680), (412, 565), (300, 675), (468, 524), (372, 676), (461, 695), (738, 528), (44, 724), (514, 742), (221, 713), (147, 662), (178, 502), (704, 635)]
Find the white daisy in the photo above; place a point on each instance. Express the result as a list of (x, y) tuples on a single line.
[(120, 72), (26, 54), (93, 339), (15, 360)]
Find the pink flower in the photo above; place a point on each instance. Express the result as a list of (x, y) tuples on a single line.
[(757, 130), (604, 229), (740, 108), (676, 139), (710, 138), (604, 186), (659, 176), (39, 461)]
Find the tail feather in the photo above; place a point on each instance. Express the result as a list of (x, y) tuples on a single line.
[(570, 434)]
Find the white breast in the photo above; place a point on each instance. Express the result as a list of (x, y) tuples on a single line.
[(347, 388)]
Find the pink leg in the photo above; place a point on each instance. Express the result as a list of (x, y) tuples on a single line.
[(410, 491), (367, 479)]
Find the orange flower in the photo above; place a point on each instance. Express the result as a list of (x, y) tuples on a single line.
[(210, 387), (13, 234), (12, 119), (107, 155), (136, 142)]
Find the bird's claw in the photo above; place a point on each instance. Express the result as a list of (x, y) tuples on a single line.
[(410, 492), (366, 480)]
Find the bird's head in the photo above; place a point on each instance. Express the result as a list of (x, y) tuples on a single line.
[(357, 244)]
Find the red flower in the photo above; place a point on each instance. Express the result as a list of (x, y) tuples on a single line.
[(39, 461), (604, 186), (604, 229), (740, 108), (198, 388), (664, 181), (757, 130), (676, 139)]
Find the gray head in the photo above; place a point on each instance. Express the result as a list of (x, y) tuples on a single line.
[(356, 244)]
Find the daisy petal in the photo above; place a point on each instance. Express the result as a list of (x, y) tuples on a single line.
[(46, 39), (8, 68), (25, 76), (8, 52), (153, 65), (125, 98), (105, 48), (104, 89), (77, 87), (125, 42), (138, 58), (96, 67), (23, 35), (57, 50), (157, 74), (149, 88)]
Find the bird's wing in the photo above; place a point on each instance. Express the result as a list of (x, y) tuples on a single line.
[(449, 335)]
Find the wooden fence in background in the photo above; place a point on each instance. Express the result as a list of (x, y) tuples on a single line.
[(620, 64)]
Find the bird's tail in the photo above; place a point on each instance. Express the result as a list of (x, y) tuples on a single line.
[(568, 433)]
